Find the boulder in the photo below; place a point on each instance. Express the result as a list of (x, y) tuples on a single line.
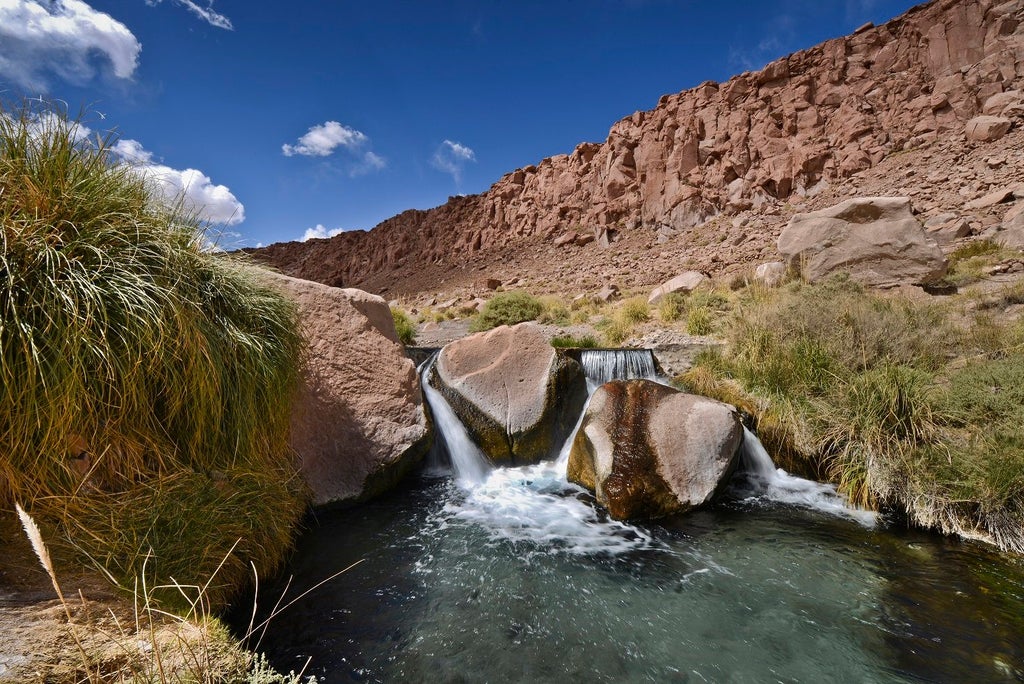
[(771, 274), (998, 104), (647, 450), (987, 128), (876, 240), (517, 396), (1011, 233), (358, 423), (684, 282)]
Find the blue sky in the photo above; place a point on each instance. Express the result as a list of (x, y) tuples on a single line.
[(281, 118)]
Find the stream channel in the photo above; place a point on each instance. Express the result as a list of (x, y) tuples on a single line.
[(477, 574)]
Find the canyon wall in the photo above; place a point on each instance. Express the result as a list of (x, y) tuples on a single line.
[(802, 123)]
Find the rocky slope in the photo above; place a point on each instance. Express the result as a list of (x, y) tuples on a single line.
[(709, 177)]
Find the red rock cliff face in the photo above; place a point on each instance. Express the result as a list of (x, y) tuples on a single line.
[(800, 124)]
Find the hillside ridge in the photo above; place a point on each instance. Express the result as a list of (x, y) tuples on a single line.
[(758, 144)]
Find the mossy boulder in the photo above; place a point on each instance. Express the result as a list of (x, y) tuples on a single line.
[(647, 450), (517, 396)]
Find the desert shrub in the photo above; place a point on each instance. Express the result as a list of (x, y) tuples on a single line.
[(507, 308), (967, 263), (672, 307), (404, 326), (569, 341), (615, 331), (699, 321), (145, 381), (555, 311), (634, 310)]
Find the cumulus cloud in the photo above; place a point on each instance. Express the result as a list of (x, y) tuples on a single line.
[(325, 139), (193, 189), (207, 13), (451, 157), (320, 231), (65, 38)]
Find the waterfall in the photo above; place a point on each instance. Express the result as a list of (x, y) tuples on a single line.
[(603, 365), (758, 478), (469, 463)]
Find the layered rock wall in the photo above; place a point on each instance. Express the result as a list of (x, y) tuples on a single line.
[(803, 122)]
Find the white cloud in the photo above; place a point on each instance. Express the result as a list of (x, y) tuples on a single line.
[(192, 188), (197, 192), (451, 157), (206, 13), (321, 231), (323, 139), (66, 38)]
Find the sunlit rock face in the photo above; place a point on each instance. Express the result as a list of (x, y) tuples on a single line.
[(517, 396)]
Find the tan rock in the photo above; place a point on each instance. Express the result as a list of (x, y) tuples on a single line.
[(771, 274), (683, 283), (358, 423), (991, 199), (647, 450), (876, 240), (517, 397), (987, 128), (997, 104)]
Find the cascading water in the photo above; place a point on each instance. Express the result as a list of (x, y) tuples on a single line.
[(757, 477), (603, 365), (469, 464)]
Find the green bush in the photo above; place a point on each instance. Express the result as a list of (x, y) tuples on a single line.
[(404, 326), (507, 308), (145, 382)]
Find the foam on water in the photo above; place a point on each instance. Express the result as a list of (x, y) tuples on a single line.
[(536, 504), (758, 478)]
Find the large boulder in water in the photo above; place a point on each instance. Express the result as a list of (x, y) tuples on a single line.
[(358, 423), (876, 240), (647, 450), (517, 396)]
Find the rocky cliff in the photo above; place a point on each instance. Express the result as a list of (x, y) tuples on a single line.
[(800, 126)]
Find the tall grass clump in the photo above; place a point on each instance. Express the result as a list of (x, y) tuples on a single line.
[(507, 308), (145, 381), (404, 326), (905, 406)]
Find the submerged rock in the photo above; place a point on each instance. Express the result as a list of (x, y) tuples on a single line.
[(876, 240), (647, 450), (517, 396), (358, 422)]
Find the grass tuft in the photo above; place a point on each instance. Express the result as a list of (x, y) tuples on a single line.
[(145, 381), (404, 326)]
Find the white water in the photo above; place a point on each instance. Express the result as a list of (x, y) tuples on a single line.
[(470, 465), (758, 478), (537, 504), (603, 365)]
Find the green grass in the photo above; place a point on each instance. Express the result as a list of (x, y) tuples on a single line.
[(404, 326), (569, 341), (507, 308), (172, 367), (901, 404)]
